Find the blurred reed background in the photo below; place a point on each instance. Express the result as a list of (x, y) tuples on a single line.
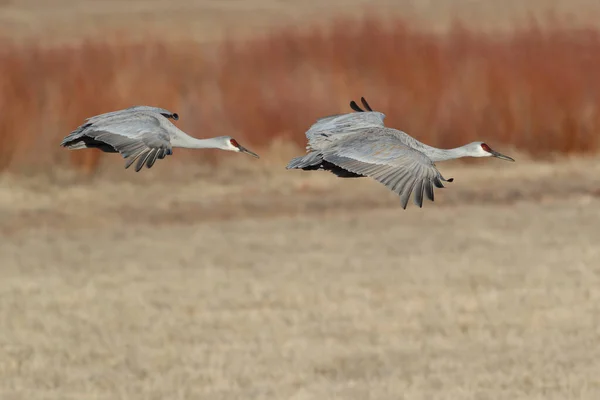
[(535, 87)]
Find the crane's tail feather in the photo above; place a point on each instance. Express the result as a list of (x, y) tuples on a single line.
[(78, 139), (313, 159), (74, 139), (86, 142), (75, 145)]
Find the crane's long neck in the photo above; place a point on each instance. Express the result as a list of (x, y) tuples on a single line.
[(447, 154), (182, 139)]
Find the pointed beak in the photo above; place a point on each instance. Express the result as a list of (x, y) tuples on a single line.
[(245, 150), (501, 156)]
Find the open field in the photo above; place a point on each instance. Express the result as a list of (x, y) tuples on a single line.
[(252, 283)]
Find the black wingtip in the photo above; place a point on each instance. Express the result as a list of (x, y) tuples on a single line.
[(173, 116), (450, 180), (355, 107), (365, 104)]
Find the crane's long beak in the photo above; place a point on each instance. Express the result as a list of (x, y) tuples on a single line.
[(245, 150), (501, 156)]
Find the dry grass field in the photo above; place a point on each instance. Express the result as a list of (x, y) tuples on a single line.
[(241, 280), (285, 285)]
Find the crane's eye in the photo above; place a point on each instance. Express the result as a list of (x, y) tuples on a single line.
[(486, 147), (234, 143), (175, 116)]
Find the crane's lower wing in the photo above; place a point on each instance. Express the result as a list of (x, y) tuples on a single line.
[(136, 137), (400, 168)]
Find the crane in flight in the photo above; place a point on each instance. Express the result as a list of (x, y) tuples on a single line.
[(142, 133), (358, 145)]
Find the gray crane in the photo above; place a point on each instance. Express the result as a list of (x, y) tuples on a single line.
[(141, 133), (360, 145)]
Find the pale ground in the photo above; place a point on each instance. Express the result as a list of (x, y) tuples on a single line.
[(209, 20), (257, 283)]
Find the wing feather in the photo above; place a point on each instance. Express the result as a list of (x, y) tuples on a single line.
[(153, 158), (142, 160), (130, 160), (384, 157), (429, 190), (419, 188)]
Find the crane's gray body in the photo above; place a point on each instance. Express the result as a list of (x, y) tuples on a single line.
[(360, 145), (142, 133), (139, 133)]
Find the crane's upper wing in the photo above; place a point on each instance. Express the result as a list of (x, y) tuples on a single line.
[(385, 158), (136, 136), (134, 110), (329, 129)]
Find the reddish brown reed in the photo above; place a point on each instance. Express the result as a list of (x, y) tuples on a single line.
[(537, 89)]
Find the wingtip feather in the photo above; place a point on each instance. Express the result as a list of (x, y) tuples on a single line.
[(355, 106), (365, 104)]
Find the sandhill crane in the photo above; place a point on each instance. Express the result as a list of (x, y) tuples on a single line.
[(359, 145), (141, 133)]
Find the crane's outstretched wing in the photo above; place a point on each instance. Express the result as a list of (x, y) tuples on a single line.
[(386, 159), (329, 129), (136, 136)]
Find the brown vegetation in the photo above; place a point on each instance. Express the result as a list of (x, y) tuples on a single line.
[(535, 89)]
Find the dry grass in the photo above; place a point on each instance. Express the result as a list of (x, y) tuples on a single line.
[(302, 286), (535, 89)]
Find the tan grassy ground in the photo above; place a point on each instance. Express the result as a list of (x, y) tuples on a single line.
[(208, 20), (290, 285)]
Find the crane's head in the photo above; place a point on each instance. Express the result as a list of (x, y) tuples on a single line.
[(480, 149), (231, 144)]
